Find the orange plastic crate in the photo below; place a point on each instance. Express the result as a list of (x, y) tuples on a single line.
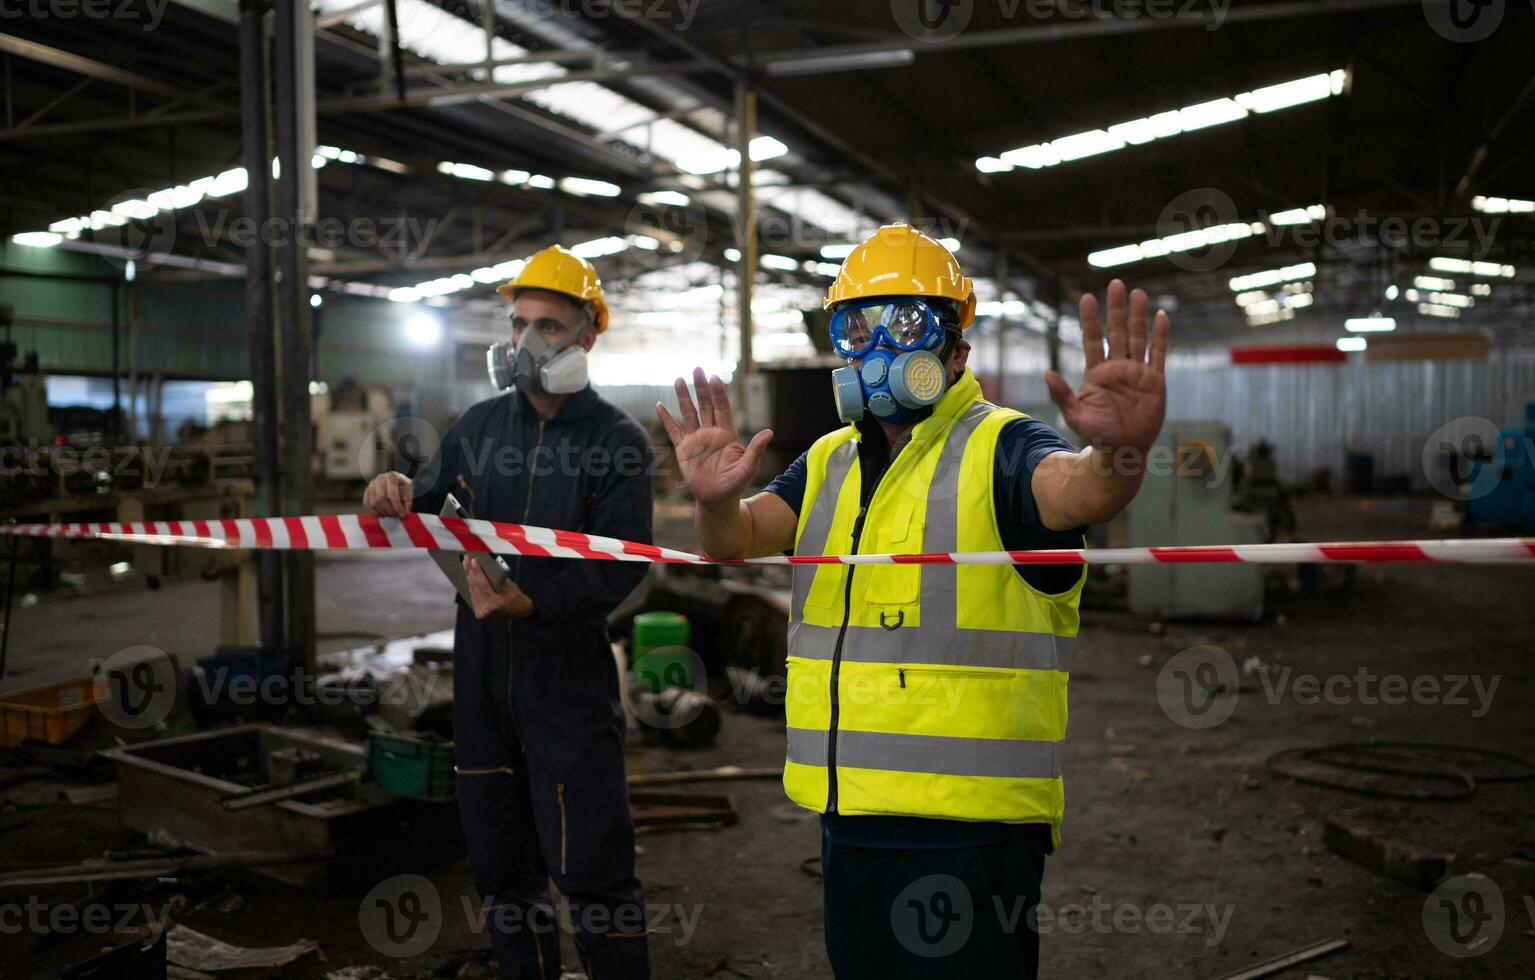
[(49, 713)]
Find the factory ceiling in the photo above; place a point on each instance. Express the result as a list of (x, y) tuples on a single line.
[(1061, 143)]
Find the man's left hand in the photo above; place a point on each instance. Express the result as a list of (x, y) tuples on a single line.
[(489, 602), (1124, 395)]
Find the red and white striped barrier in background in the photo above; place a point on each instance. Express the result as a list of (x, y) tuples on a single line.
[(358, 532)]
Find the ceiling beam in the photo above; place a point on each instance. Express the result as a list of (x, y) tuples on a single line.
[(1104, 26)]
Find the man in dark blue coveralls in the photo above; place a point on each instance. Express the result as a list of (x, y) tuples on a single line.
[(538, 724)]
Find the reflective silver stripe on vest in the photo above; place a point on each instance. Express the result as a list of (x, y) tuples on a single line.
[(938, 754), (938, 640), (812, 539), (934, 643)]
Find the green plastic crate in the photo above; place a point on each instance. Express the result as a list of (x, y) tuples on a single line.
[(661, 655), (411, 766)]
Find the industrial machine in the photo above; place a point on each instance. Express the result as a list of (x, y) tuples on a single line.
[(1186, 499), (1510, 500), (23, 400)]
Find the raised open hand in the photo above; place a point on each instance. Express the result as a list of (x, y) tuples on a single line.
[(714, 464), (1123, 397)]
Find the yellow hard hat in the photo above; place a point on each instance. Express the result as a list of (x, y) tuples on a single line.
[(899, 260), (559, 270)]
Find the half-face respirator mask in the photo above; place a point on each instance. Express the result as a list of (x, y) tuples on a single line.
[(895, 342), (536, 366)]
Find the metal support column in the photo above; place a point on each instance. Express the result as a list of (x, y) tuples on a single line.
[(258, 305), (1053, 334), (293, 63), (746, 241), (1001, 281)]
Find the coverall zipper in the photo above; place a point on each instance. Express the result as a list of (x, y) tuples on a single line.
[(511, 661), (559, 790), (836, 654)]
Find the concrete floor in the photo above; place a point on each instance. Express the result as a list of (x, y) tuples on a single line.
[(1157, 814)]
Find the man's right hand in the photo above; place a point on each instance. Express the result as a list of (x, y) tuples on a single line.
[(714, 464), (389, 495)]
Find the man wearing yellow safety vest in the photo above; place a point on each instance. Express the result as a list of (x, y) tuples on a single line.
[(927, 703)]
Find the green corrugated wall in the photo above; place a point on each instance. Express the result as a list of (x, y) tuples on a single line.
[(187, 330)]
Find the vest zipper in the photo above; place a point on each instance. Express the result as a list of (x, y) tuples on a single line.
[(836, 654), (511, 661)]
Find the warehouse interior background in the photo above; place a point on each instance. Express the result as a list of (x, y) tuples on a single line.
[(1333, 201)]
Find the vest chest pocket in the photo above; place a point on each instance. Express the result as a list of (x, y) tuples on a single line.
[(894, 585)]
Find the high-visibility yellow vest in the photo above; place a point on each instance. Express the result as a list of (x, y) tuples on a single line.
[(923, 690)]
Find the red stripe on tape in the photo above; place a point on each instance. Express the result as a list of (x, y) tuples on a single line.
[(1404, 552), (579, 543), (263, 532), (330, 526), (467, 538), (934, 559), (297, 536), (518, 537), (1176, 556), (419, 536), (372, 531), (1047, 557)]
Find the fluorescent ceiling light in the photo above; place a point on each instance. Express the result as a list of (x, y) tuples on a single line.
[(732, 255), (836, 251), (1370, 324), (780, 262), (466, 171), (1433, 282), (827, 269), (1481, 289), (665, 198), (1186, 241), (38, 239), (1263, 319), (1299, 216), (515, 178), (1137, 132), (841, 61), (598, 247), (1086, 145), (1452, 299), (1352, 345), (1490, 270), (1502, 205), (542, 182), (587, 187), (1435, 309), (1273, 277), (952, 244), (135, 209)]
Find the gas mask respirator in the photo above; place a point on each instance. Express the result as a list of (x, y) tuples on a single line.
[(537, 367), (897, 371)]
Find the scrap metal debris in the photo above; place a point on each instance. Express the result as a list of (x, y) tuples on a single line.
[(195, 951)]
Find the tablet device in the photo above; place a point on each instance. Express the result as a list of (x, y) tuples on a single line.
[(451, 562)]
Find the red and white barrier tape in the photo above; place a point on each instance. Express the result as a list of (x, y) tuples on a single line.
[(364, 532)]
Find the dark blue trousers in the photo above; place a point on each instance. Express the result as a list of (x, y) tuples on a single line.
[(538, 742), (935, 913)]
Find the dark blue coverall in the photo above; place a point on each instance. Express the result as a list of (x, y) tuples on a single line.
[(537, 721)]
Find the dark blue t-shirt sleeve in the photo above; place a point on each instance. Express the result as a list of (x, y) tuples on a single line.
[(1022, 444), (790, 484)]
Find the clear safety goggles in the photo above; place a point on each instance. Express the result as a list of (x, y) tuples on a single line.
[(903, 322)]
